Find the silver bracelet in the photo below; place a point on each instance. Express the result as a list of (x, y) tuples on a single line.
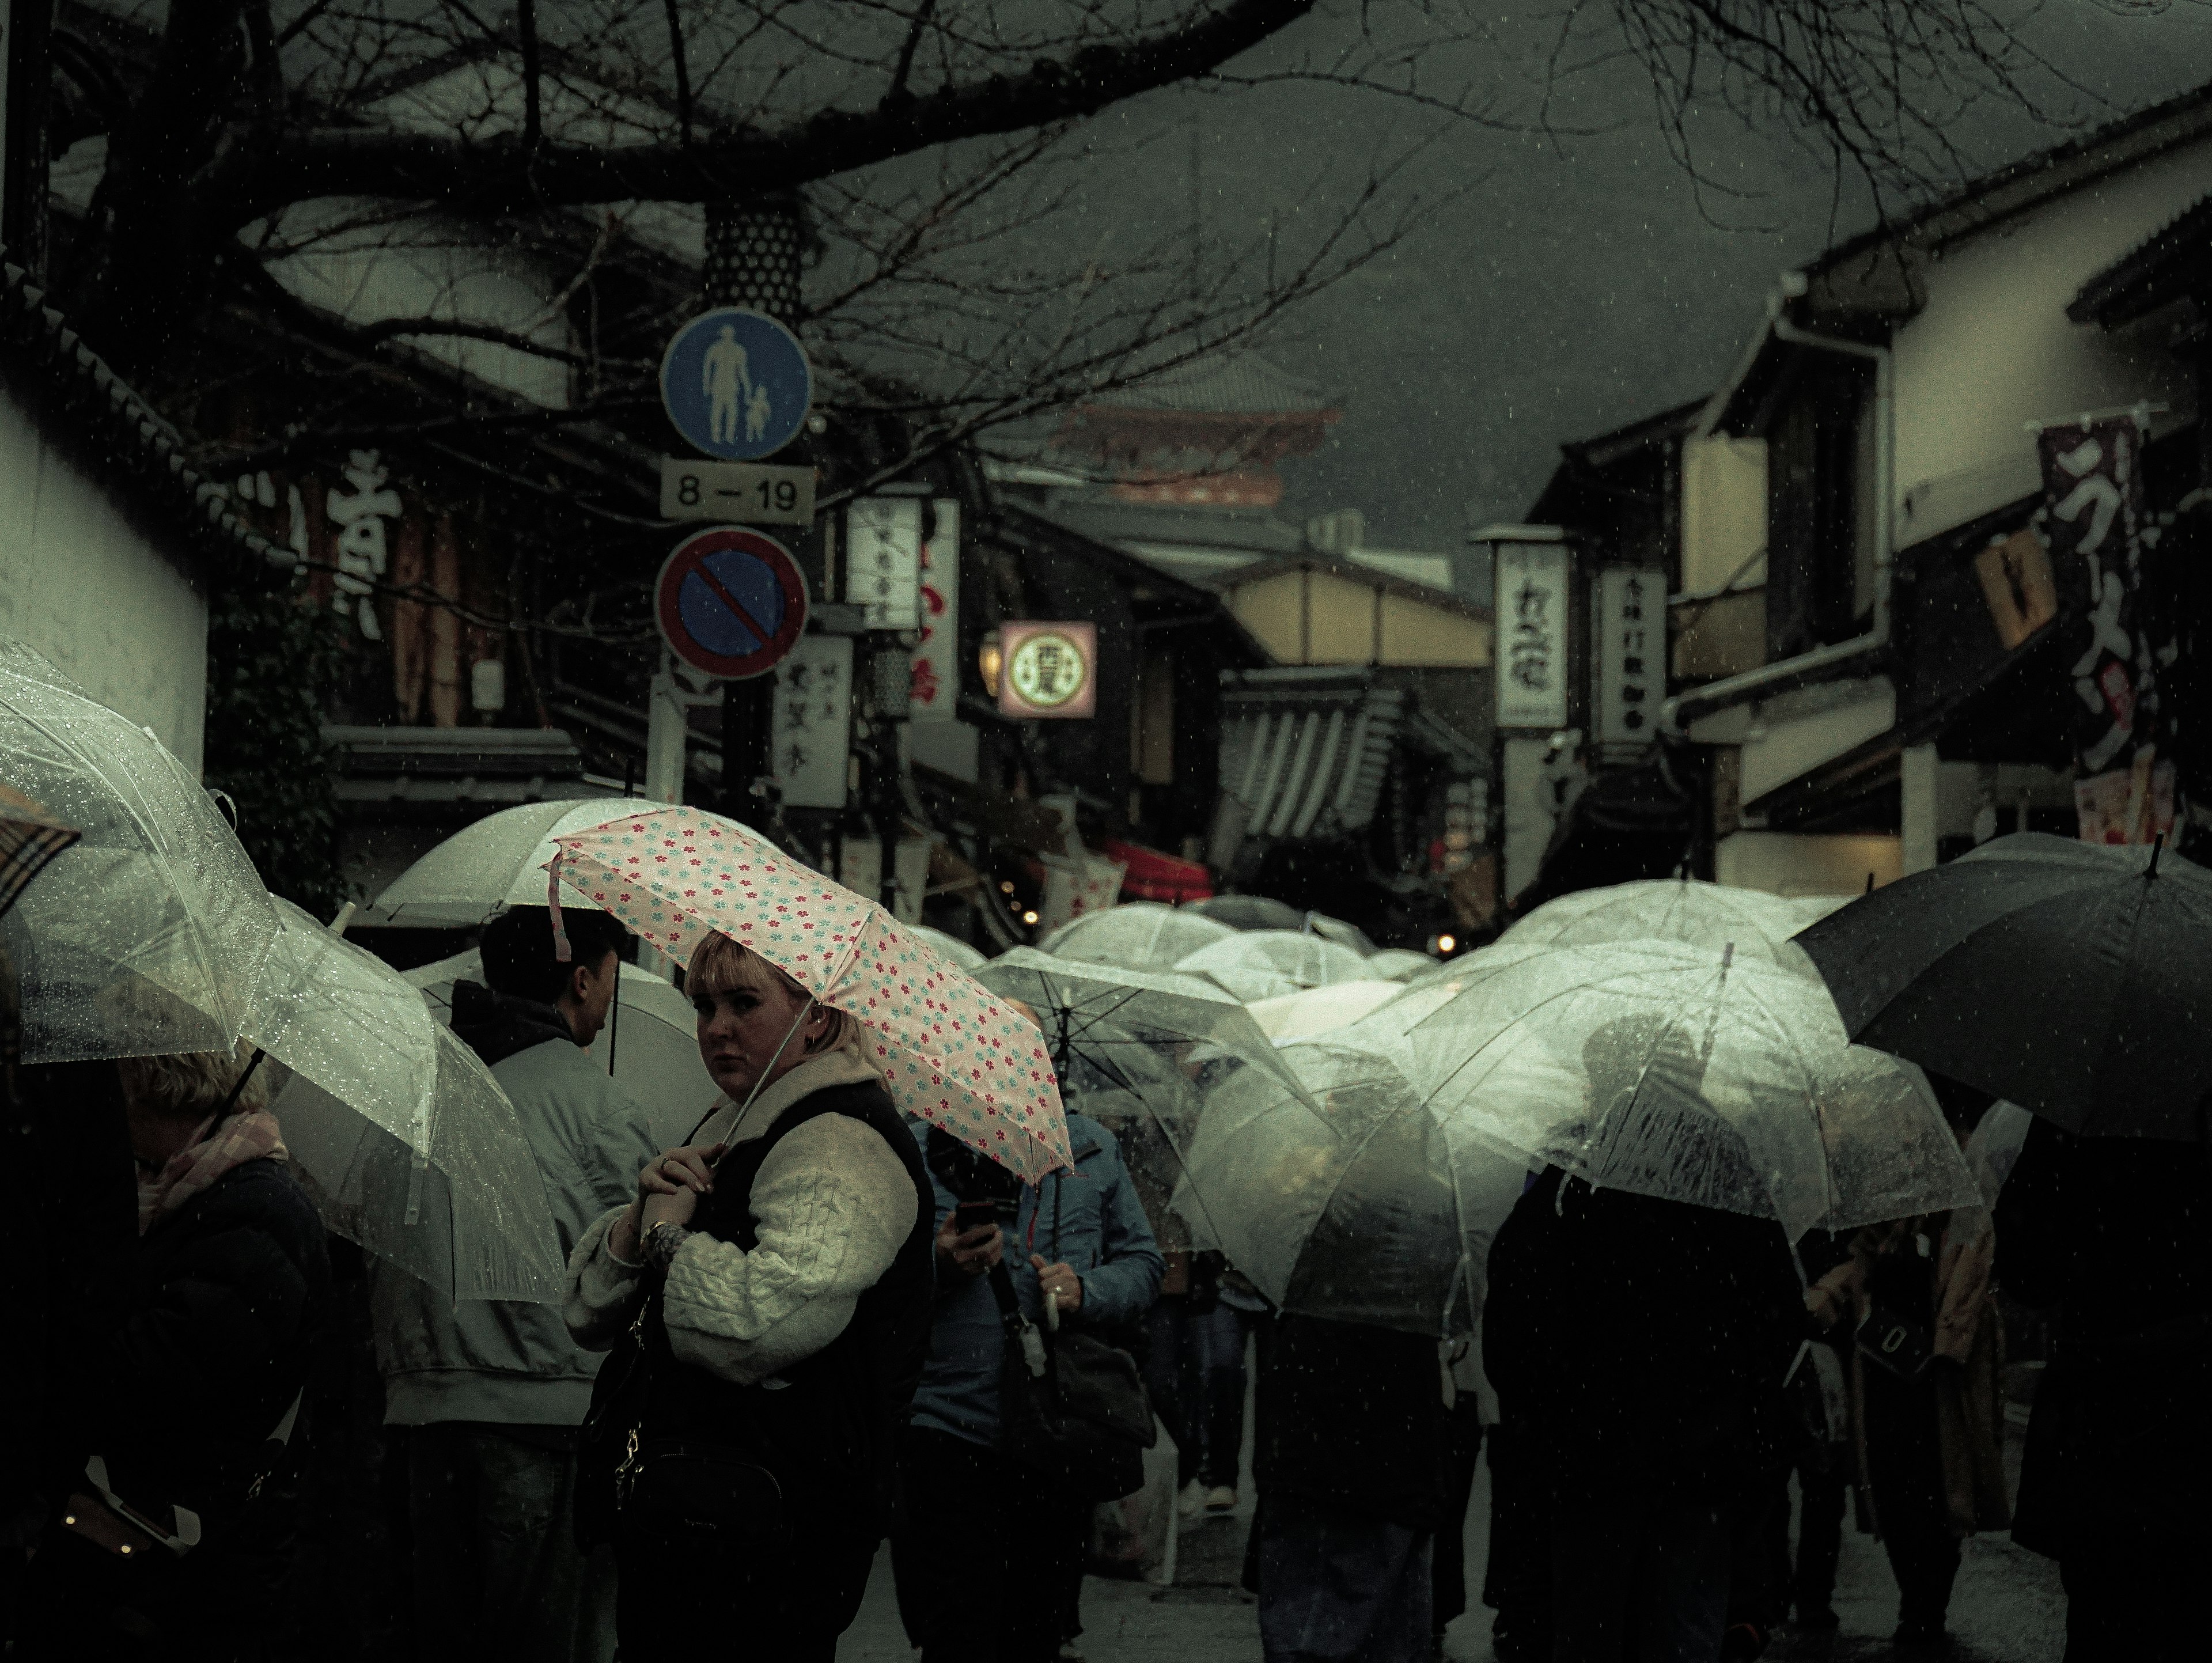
[(664, 1241)]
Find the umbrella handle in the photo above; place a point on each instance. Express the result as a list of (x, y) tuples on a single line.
[(1052, 1309)]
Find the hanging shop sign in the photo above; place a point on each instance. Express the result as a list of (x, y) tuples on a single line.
[(1531, 648), (2095, 525), (756, 492), (883, 560), (936, 656), (812, 717), (736, 384), (1049, 669), (730, 602), (1629, 605)]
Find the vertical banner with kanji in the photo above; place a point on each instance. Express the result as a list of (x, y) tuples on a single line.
[(936, 658), (2094, 522), (1630, 606), (882, 559), (813, 721), (1531, 634)]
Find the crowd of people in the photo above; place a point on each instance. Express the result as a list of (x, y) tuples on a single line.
[(801, 1333)]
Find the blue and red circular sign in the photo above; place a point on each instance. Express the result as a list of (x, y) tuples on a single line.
[(730, 602)]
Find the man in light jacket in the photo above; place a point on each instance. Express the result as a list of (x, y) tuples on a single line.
[(1081, 1238), (492, 1393)]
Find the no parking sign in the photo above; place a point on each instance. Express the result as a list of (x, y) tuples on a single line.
[(730, 602)]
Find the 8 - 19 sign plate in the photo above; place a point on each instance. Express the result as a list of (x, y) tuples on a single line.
[(753, 493)]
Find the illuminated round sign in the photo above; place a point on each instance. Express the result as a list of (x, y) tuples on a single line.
[(1049, 669)]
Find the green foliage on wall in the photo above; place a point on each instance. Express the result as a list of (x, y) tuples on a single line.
[(269, 664)]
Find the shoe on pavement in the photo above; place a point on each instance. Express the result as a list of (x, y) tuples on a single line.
[(1222, 1498), (1192, 1501)]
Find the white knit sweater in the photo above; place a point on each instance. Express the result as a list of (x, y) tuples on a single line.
[(833, 1204)]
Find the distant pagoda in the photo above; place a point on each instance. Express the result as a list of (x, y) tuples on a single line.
[(1209, 435)]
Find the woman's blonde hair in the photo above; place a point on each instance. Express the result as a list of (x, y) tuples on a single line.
[(192, 1085), (719, 965)]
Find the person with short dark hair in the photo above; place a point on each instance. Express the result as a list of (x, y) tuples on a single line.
[(491, 1391)]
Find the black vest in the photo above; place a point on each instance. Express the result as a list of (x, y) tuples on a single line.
[(824, 1426)]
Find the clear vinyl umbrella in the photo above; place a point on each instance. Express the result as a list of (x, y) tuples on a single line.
[(650, 1045), (143, 937), (1399, 964), (1260, 964), (1315, 1011), (1685, 1075), (398, 1132), (1687, 911), (497, 862), (1138, 935), (1143, 1052), (950, 948), (1352, 1198)]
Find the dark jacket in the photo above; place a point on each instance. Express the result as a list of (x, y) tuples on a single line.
[(497, 1025), (1351, 1417), (193, 1346), (1643, 1341), (2116, 1235)]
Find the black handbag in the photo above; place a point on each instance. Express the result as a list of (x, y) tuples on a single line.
[(1072, 1406), (657, 1493), (1896, 1343)]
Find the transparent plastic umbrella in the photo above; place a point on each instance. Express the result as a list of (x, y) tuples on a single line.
[(1685, 1075), (652, 1037), (495, 863), (1687, 911), (950, 948), (1260, 964), (1317, 1011), (1141, 934), (143, 937), (399, 1134), (1143, 1052), (1399, 964), (1352, 1198)]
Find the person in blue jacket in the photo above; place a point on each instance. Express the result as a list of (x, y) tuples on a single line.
[(971, 1590)]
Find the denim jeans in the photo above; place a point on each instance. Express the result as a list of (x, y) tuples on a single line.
[(1195, 1377), (1339, 1588), (496, 1568)]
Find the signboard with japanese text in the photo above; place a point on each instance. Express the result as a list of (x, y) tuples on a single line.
[(883, 560), (937, 659), (1533, 601), (812, 717), (1050, 669), (1629, 607)]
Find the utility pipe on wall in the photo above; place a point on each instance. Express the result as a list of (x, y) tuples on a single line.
[(1684, 708)]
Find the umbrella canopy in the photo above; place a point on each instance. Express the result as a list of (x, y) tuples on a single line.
[(2073, 979), (950, 948), (1695, 914), (31, 834), (1143, 935), (1317, 1011), (952, 1052), (1399, 964), (1679, 1075), (1262, 964), (1352, 1198), (1248, 911), (651, 1035), (495, 863), (1343, 934), (397, 1130), (143, 937)]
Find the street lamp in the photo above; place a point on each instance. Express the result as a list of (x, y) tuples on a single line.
[(990, 659)]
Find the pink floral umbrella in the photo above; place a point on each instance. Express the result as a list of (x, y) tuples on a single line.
[(951, 1052)]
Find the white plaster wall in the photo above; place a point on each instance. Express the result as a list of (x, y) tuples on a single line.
[(1993, 348), (81, 584)]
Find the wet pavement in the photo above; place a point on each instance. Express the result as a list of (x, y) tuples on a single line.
[(2008, 1607)]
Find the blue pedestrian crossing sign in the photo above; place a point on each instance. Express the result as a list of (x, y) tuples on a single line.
[(737, 384)]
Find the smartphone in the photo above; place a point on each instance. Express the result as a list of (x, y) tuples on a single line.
[(974, 1215)]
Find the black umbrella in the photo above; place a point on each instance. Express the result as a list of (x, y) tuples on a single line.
[(2073, 979)]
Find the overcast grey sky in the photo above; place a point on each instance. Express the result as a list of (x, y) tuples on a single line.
[(1575, 286)]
